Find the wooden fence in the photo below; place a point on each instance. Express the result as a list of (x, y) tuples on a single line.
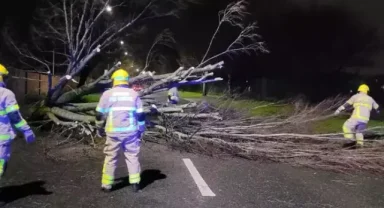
[(29, 84)]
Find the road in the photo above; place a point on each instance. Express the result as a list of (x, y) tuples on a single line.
[(70, 177)]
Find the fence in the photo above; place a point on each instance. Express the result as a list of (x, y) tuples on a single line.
[(30, 84)]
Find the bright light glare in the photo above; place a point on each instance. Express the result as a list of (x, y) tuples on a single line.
[(122, 42), (126, 53), (108, 8), (137, 70)]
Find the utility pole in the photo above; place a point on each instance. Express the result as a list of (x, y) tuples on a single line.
[(53, 63), (205, 87)]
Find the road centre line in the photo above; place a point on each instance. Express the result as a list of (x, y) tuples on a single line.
[(203, 187)]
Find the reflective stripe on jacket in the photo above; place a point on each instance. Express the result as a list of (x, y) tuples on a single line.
[(121, 105), (173, 94), (362, 104), (8, 104)]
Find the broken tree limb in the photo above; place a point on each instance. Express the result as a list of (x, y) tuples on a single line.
[(174, 78), (80, 107), (86, 89), (76, 68), (165, 79), (72, 116), (178, 75), (57, 121), (215, 116)]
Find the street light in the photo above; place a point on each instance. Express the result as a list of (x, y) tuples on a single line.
[(122, 42), (126, 53), (108, 9)]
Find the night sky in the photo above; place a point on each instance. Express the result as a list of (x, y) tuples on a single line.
[(306, 37), (370, 10), (18, 11)]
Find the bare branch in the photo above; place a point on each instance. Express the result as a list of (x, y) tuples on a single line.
[(28, 55), (247, 40), (166, 39), (67, 24), (81, 25), (126, 25)]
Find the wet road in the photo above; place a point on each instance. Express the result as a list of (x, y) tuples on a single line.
[(70, 177)]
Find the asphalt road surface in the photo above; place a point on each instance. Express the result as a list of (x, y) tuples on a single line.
[(70, 177)]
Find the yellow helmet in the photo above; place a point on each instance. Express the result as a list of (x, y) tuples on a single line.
[(363, 88), (3, 70), (120, 77)]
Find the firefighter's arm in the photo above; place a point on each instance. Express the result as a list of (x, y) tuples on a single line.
[(100, 122), (140, 114), (101, 112), (169, 95), (13, 113), (376, 107), (346, 105)]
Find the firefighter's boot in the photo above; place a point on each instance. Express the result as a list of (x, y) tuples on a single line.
[(106, 188), (135, 187)]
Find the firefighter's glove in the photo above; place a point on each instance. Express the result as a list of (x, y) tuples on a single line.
[(154, 109), (29, 136), (338, 111), (101, 132), (140, 134)]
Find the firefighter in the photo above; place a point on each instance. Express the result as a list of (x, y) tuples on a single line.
[(173, 95), (357, 123), (121, 119), (10, 117)]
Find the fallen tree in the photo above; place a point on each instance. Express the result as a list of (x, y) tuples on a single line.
[(196, 127), (279, 139), (81, 31)]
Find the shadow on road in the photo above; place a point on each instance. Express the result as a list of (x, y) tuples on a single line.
[(147, 178), (350, 145), (9, 194)]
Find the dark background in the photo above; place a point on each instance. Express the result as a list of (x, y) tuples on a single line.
[(318, 48)]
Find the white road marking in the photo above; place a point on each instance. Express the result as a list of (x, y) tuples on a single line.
[(203, 187)]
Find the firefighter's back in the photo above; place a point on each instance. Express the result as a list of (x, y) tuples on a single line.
[(363, 105), (121, 120)]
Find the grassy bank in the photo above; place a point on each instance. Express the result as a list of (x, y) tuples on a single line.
[(91, 98), (335, 124), (254, 107), (262, 108)]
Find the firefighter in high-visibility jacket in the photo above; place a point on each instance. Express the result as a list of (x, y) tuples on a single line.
[(363, 104), (10, 118), (121, 119), (173, 95)]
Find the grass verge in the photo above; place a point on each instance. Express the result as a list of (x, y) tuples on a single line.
[(263, 108), (254, 107), (334, 125), (91, 98)]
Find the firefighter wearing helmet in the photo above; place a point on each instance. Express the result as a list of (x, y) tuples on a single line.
[(173, 96), (121, 119), (10, 117), (363, 104)]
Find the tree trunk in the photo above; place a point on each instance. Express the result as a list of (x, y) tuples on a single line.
[(63, 111)]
